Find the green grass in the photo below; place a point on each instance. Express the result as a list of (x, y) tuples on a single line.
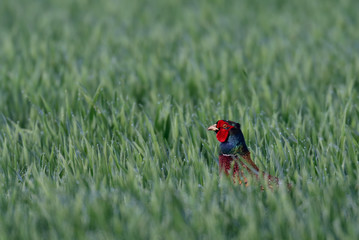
[(104, 107)]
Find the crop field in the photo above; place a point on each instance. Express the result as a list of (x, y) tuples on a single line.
[(104, 109)]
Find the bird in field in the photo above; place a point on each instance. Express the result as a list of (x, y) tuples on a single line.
[(234, 151)]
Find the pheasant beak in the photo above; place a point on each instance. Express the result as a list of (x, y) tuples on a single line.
[(213, 128)]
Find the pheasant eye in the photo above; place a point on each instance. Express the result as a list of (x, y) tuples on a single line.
[(224, 125)]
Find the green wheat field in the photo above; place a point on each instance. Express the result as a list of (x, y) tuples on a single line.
[(104, 107)]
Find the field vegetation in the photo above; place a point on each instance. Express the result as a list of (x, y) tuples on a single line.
[(104, 107)]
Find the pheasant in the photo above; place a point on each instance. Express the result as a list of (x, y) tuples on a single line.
[(233, 149)]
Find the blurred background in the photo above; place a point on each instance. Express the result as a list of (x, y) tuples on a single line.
[(281, 55)]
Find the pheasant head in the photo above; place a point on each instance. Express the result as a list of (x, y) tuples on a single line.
[(230, 136)]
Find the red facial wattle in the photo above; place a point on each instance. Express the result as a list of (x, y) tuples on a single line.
[(223, 132), (222, 135)]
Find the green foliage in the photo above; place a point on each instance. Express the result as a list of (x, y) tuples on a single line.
[(104, 107)]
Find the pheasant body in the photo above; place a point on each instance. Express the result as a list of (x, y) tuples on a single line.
[(225, 165)]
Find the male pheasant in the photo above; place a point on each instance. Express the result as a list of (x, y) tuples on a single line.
[(233, 149)]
